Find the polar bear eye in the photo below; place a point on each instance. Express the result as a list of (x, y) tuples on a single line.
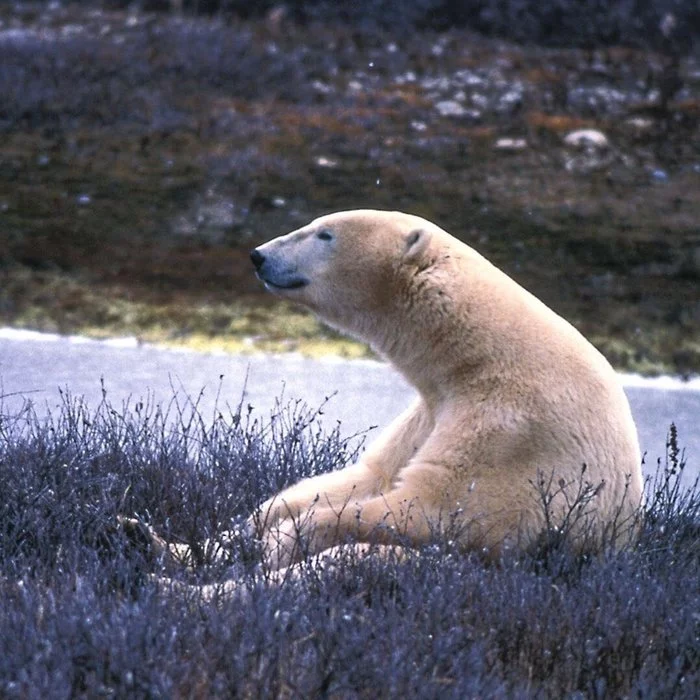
[(324, 235)]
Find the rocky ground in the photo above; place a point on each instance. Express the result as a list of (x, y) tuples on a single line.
[(143, 155)]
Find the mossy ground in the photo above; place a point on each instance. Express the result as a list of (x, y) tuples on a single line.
[(59, 304)]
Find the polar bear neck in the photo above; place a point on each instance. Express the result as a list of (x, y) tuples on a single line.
[(461, 317), (432, 323)]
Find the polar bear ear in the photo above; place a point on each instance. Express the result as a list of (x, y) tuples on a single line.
[(416, 243)]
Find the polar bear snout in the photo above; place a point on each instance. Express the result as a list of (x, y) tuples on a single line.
[(257, 257), (275, 272)]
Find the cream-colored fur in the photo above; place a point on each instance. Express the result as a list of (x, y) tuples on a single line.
[(511, 396)]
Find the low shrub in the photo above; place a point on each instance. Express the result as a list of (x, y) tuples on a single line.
[(81, 617)]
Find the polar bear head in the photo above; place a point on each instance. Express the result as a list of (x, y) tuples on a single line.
[(346, 266)]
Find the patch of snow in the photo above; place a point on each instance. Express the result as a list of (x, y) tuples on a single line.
[(663, 382), (25, 335)]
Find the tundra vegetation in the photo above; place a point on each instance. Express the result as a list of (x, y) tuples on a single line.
[(83, 615)]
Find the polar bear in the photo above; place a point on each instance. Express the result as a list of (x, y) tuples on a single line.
[(521, 425)]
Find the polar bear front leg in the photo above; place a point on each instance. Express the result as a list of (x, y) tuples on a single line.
[(397, 518), (375, 473)]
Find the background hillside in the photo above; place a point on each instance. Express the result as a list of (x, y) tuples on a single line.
[(145, 151)]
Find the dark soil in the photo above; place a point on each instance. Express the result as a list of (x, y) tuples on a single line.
[(143, 155)]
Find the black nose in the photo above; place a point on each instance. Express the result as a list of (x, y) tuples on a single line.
[(258, 258)]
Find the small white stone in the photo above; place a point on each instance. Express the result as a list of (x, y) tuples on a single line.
[(324, 162), (507, 144), (640, 124), (321, 87), (586, 138), (450, 108)]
